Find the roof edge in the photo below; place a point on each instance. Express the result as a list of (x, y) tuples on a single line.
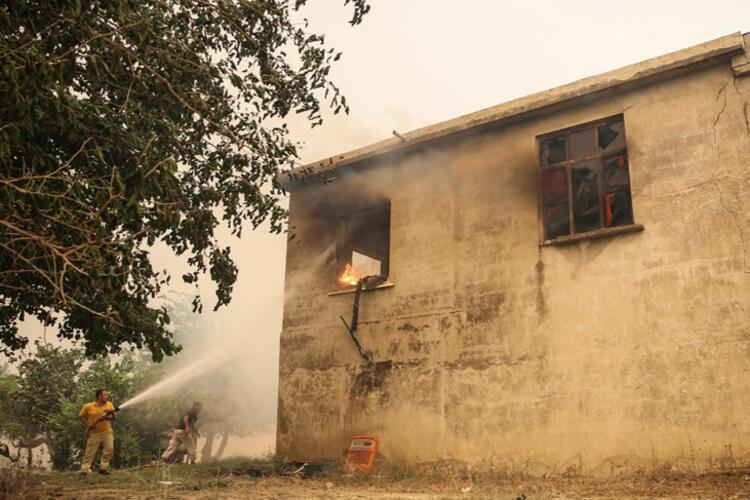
[(719, 49)]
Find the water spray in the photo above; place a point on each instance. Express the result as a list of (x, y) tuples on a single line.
[(179, 377)]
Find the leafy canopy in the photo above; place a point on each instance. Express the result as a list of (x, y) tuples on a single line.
[(124, 124)]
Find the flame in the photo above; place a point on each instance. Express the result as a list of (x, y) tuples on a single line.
[(348, 278)]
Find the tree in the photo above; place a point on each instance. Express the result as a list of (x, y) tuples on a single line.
[(40, 404), (135, 443), (10, 427), (128, 123), (32, 397)]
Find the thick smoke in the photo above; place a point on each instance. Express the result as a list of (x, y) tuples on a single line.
[(230, 357)]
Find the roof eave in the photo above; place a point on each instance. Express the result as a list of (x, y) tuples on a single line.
[(714, 51)]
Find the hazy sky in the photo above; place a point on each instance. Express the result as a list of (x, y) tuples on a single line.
[(416, 62), (412, 63)]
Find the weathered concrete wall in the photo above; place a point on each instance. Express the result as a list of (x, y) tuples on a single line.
[(632, 349)]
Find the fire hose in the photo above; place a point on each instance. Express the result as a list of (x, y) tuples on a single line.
[(107, 413)]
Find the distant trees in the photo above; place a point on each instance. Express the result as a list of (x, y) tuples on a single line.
[(39, 404), (31, 398), (124, 124)]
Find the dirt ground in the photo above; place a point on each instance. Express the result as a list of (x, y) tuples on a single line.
[(205, 482)]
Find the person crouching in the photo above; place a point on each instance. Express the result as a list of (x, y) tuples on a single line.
[(183, 434)]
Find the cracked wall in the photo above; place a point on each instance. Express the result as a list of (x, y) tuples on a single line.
[(628, 351)]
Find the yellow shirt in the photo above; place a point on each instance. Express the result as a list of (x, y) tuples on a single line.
[(92, 412)]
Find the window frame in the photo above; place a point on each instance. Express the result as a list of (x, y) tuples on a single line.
[(602, 230), (343, 231)]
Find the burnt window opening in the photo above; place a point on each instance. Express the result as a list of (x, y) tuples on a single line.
[(585, 179), (363, 246)]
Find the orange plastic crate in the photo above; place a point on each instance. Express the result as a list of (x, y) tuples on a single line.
[(360, 456)]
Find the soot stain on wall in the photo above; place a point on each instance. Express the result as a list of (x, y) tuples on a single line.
[(372, 378), (541, 301)]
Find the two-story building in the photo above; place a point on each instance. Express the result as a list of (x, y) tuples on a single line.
[(565, 279)]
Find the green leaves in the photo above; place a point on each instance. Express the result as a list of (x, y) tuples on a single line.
[(30, 399), (127, 123)]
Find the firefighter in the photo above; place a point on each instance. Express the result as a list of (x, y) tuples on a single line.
[(183, 434), (97, 418)]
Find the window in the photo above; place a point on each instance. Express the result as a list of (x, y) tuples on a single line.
[(585, 181), (363, 245)]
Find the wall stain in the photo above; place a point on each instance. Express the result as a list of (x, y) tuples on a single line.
[(445, 324), (472, 360), (484, 308), (294, 342), (408, 327), (417, 345), (394, 347), (541, 302), (281, 423), (372, 378)]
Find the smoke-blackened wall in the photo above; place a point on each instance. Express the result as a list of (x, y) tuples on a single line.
[(491, 348)]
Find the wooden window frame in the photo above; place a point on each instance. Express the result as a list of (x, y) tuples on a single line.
[(343, 236), (602, 231)]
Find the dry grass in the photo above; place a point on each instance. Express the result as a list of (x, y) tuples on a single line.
[(240, 478), (14, 481)]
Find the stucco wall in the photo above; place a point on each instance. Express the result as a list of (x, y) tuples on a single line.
[(632, 350)]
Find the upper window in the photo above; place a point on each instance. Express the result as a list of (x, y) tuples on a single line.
[(585, 181), (363, 245)]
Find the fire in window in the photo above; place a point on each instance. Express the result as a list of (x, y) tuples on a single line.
[(585, 181), (363, 245)]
